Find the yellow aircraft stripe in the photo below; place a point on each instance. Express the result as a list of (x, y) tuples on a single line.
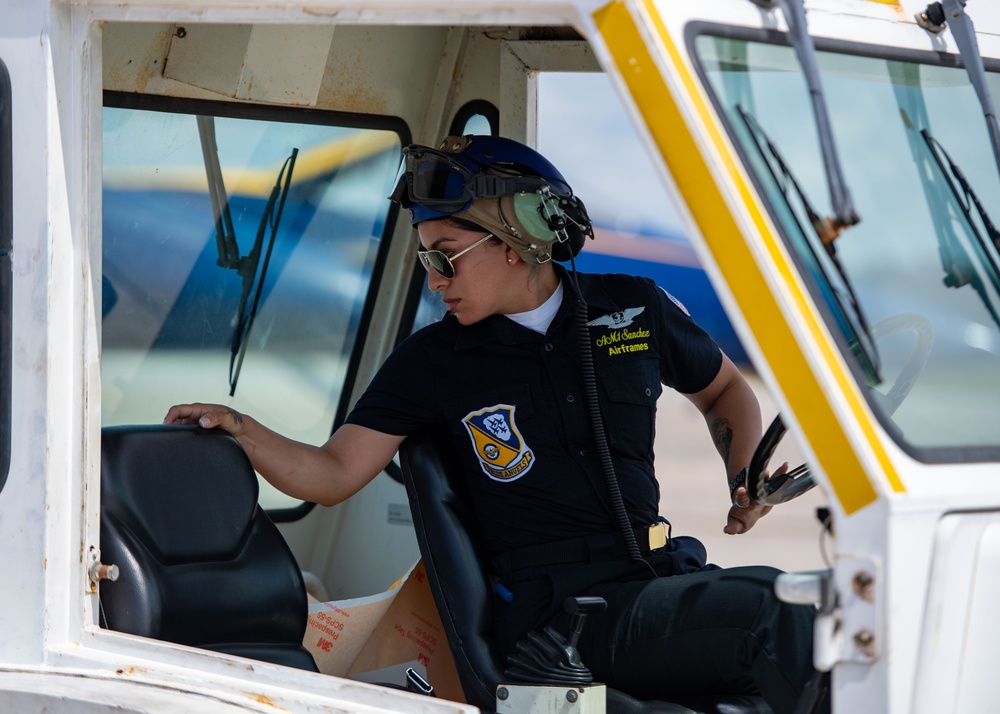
[(707, 204), (316, 161)]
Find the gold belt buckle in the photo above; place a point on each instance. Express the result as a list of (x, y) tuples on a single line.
[(657, 536)]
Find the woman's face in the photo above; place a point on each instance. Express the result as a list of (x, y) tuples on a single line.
[(482, 283)]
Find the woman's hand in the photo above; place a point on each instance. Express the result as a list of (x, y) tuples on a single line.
[(745, 511), (326, 474), (207, 416)]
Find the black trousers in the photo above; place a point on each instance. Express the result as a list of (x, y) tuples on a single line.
[(711, 632), (689, 630)]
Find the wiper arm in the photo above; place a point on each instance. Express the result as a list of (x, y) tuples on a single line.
[(821, 226), (934, 19), (844, 214), (247, 268), (225, 235), (227, 245)]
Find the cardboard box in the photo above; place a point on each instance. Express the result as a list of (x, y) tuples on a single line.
[(376, 638)]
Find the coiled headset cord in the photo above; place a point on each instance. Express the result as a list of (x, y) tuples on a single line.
[(597, 425)]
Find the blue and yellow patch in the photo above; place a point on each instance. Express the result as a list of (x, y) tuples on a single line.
[(499, 447)]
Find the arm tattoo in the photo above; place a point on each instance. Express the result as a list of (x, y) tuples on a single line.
[(237, 417), (722, 435)]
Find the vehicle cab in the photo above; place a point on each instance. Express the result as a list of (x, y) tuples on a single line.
[(193, 207)]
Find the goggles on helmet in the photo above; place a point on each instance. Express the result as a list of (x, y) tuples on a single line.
[(450, 182)]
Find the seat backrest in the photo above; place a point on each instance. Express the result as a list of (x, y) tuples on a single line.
[(200, 563), (448, 543), (447, 536)]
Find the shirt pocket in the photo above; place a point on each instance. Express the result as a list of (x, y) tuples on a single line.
[(630, 393)]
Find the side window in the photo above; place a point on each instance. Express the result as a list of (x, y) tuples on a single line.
[(238, 252), (476, 117), (6, 234)]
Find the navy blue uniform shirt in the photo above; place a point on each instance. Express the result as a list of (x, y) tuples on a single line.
[(513, 401)]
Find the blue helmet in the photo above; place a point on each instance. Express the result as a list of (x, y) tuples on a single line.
[(437, 183)]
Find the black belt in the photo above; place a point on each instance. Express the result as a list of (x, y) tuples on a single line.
[(600, 546)]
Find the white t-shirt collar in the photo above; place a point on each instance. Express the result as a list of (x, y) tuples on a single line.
[(542, 316)]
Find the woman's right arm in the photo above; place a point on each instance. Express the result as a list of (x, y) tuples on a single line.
[(326, 474)]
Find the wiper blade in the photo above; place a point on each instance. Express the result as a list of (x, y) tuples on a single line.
[(844, 214), (966, 197), (821, 227), (247, 268), (957, 263)]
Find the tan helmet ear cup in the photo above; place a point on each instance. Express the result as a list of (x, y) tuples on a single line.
[(518, 220), (528, 210)]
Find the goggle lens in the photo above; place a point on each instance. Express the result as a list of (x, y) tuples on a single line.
[(433, 179), (438, 183)]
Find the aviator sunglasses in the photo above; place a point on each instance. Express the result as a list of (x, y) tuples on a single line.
[(442, 263)]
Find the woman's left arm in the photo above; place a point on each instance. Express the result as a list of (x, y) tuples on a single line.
[(732, 413)]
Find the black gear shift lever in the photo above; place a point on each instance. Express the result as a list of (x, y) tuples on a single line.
[(547, 657), (579, 608)]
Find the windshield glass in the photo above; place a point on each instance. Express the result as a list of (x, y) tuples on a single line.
[(912, 292), (237, 257)]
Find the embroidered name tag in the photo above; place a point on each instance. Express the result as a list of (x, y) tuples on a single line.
[(621, 340)]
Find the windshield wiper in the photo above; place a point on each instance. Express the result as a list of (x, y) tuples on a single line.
[(963, 193), (821, 227), (227, 245), (247, 268), (935, 18), (844, 214), (957, 263)]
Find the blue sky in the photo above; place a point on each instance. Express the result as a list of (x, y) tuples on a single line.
[(585, 131)]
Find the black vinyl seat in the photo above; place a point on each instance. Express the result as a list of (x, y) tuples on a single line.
[(446, 534), (200, 563)]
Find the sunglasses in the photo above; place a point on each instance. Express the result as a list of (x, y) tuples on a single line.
[(442, 263)]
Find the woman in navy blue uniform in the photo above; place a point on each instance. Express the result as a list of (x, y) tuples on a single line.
[(527, 358)]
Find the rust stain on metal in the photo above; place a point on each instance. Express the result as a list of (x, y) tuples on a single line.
[(131, 671), (266, 701), (863, 585)]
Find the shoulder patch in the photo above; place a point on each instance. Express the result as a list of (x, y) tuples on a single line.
[(498, 444), (677, 302)]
